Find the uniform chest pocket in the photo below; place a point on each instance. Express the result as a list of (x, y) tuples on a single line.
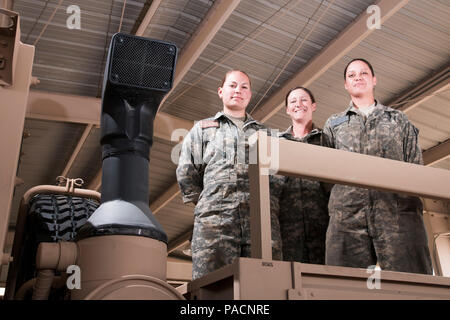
[(348, 136), (389, 138), (219, 147), (385, 130)]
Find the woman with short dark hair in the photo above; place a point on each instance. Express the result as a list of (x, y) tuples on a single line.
[(303, 203)]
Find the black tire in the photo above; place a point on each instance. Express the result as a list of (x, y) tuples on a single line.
[(58, 218), (51, 218)]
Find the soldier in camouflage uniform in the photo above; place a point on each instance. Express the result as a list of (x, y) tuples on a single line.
[(369, 226), (213, 174), (303, 203)]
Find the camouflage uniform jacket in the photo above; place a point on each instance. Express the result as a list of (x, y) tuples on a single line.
[(303, 211), (213, 169), (385, 133)]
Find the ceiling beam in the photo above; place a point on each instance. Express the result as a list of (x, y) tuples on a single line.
[(148, 17), (418, 89), (437, 153), (179, 270), (63, 107), (347, 39), (165, 125), (7, 4), (165, 198), (211, 24), (179, 242), (87, 110), (412, 97), (425, 95)]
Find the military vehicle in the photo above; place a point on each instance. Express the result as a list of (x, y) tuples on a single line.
[(67, 242)]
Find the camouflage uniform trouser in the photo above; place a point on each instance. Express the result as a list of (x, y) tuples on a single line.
[(303, 220), (304, 239), (219, 237), (388, 229)]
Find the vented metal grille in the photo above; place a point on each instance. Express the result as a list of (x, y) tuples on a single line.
[(142, 63)]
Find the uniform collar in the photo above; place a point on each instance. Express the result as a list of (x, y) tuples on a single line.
[(378, 108), (222, 115), (289, 133)]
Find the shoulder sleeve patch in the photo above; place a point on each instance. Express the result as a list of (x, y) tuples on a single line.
[(209, 124), (337, 121)]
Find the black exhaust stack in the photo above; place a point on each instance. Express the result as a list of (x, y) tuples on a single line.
[(138, 73)]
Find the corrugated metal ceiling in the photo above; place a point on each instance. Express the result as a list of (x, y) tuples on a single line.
[(254, 39), (70, 60)]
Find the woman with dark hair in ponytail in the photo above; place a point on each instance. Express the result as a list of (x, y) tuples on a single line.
[(212, 173), (371, 226)]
